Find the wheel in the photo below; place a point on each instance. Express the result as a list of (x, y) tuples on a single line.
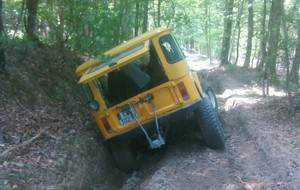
[(210, 125), (211, 95), (212, 98), (127, 157)]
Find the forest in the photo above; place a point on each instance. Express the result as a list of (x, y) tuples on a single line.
[(45, 129)]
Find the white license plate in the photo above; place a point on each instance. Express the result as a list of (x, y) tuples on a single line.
[(125, 117)]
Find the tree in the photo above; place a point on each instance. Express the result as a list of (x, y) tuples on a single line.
[(250, 33), (60, 23), (227, 31), (30, 20), (286, 56), (274, 33), (263, 37), (295, 67), (238, 28), (2, 50), (207, 31), (137, 20), (145, 17), (159, 13)]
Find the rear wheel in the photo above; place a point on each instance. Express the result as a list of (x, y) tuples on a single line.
[(212, 98), (210, 125), (127, 157)]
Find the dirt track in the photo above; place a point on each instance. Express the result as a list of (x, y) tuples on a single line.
[(262, 146), (262, 150)]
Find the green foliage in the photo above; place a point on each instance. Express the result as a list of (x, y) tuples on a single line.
[(93, 26), (232, 67)]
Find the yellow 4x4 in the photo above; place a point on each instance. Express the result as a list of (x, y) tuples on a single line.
[(141, 87)]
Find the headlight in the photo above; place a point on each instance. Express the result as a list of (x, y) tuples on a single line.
[(94, 105)]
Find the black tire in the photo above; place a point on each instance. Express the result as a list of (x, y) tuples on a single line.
[(127, 157), (210, 125), (212, 97)]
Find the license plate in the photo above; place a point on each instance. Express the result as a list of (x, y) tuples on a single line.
[(125, 117)]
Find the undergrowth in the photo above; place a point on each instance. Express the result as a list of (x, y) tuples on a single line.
[(46, 75)]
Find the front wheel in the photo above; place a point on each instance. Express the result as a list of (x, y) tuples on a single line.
[(210, 125), (127, 157)]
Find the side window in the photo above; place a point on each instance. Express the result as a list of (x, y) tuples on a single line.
[(87, 92), (170, 49)]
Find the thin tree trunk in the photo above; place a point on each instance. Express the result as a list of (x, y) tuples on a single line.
[(145, 18), (159, 13), (207, 32), (295, 67), (16, 28), (263, 36), (60, 24), (2, 49), (238, 26), (250, 33), (274, 33), (286, 58), (124, 19), (30, 22), (137, 20), (227, 32)]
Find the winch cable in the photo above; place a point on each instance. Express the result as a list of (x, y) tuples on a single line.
[(156, 120), (129, 107), (131, 110)]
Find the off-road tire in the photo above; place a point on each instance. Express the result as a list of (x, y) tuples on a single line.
[(208, 90), (127, 157), (212, 98), (210, 125)]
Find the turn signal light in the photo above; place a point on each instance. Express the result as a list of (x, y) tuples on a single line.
[(106, 125)]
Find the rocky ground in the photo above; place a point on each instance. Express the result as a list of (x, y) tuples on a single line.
[(55, 144)]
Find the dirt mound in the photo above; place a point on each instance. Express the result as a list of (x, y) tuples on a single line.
[(47, 137)]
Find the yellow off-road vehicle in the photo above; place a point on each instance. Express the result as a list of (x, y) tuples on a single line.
[(138, 89)]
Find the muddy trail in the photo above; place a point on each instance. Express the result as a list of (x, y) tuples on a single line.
[(54, 145), (262, 144)]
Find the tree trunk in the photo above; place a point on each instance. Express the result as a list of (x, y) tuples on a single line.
[(159, 13), (207, 32), (125, 7), (238, 26), (137, 20), (250, 33), (145, 18), (227, 32), (274, 32), (263, 37), (60, 24), (2, 50), (286, 57), (31, 7), (295, 67)]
